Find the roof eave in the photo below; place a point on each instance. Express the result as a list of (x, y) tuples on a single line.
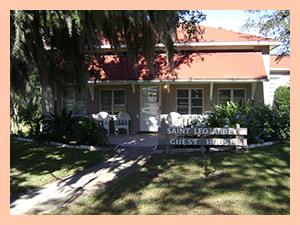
[(181, 81), (230, 43), (200, 45), (280, 69)]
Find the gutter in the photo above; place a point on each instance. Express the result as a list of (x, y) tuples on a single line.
[(280, 69), (160, 46), (237, 43), (181, 81)]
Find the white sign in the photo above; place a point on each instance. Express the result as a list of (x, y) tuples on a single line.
[(201, 131)]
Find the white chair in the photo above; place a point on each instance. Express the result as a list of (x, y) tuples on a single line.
[(122, 121), (175, 119), (104, 117)]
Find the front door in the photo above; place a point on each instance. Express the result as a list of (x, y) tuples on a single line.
[(150, 108)]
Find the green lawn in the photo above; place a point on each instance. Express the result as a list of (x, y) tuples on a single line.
[(254, 182), (33, 165)]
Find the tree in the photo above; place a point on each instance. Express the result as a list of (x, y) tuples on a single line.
[(58, 43), (27, 108), (275, 23), (282, 98), (31, 33)]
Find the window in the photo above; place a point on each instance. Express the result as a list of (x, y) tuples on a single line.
[(75, 101), (190, 101), (235, 95), (112, 101)]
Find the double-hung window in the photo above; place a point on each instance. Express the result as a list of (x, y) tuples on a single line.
[(112, 101), (190, 101), (234, 95), (72, 100)]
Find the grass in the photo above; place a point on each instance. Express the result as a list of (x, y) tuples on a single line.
[(33, 165), (254, 182)]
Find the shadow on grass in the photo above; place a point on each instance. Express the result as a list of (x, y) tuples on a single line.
[(33, 165), (251, 183)]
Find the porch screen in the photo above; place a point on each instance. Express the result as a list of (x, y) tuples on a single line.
[(234, 95), (72, 100), (190, 101), (112, 101)]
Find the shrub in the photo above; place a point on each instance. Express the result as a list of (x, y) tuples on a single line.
[(228, 114), (66, 127), (60, 127), (282, 98), (31, 115), (90, 132), (264, 123), (267, 124)]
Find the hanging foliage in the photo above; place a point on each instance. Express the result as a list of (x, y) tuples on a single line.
[(271, 23), (58, 43)]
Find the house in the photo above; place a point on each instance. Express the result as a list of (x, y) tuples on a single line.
[(221, 66), (279, 76)]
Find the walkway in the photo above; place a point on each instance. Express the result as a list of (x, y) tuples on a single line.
[(140, 139), (133, 152)]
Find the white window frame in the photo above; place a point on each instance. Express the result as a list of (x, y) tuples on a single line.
[(112, 99), (83, 92), (190, 100), (231, 93)]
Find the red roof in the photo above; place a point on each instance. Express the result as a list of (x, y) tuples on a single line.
[(282, 63), (212, 35), (224, 65), (219, 35), (187, 66)]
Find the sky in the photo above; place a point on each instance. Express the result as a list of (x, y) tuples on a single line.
[(227, 19)]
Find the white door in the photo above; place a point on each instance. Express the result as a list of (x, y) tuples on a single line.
[(150, 108)]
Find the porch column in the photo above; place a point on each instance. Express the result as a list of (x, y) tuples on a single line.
[(168, 87), (211, 90), (92, 90), (133, 88), (253, 87)]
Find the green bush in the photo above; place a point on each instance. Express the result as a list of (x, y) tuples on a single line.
[(30, 114), (228, 114), (264, 123), (66, 127), (60, 127), (282, 98), (267, 124), (90, 132)]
